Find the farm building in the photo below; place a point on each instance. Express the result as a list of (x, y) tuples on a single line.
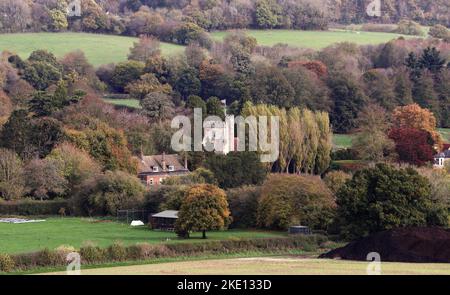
[(152, 170), (164, 220), (441, 158)]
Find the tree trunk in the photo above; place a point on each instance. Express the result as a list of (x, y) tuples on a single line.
[(204, 234)]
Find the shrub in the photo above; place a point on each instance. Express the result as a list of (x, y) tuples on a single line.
[(92, 254), (117, 252), (6, 263)]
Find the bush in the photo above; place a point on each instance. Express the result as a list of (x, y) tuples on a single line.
[(117, 252), (32, 207), (6, 263), (92, 254)]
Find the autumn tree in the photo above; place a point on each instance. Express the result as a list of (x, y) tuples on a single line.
[(415, 117), (204, 208), (44, 179), (413, 146), (5, 107), (147, 84), (76, 164), (372, 143), (146, 48), (294, 199), (334, 180), (11, 175)]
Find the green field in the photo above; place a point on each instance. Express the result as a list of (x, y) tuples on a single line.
[(342, 141), (314, 39), (28, 237), (130, 103), (270, 265), (99, 49), (445, 132)]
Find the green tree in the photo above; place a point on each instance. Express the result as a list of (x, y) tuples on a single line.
[(188, 82), (204, 208), (267, 13), (126, 72), (157, 106), (348, 102), (195, 101), (214, 107), (383, 198), (237, 169)]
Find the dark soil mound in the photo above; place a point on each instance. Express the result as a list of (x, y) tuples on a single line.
[(400, 245)]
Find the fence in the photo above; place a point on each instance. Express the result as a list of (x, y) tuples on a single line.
[(129, 215)]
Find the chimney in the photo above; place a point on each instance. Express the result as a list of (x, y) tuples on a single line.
[(163, 162)]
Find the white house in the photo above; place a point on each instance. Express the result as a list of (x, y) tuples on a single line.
[(442, 158)]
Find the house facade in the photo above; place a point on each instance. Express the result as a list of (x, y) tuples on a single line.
[(442, 158), (154, 169)]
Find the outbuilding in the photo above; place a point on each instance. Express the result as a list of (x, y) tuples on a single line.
[(164, 220)]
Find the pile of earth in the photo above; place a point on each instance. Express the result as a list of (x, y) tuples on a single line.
[(417, 244)]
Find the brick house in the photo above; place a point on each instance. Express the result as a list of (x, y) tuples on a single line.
[(152, 170)]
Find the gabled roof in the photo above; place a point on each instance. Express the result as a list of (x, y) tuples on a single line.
[(445, 154), (146, 163), (167, 214)]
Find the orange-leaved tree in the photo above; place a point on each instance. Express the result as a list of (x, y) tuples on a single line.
[(205, 207)]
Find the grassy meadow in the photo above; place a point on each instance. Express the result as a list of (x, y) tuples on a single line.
[(314, 39), (269, 266), (129, 103), (99, 49), (29, 237)]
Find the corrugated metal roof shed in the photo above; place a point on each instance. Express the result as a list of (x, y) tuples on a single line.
[(166, 214)]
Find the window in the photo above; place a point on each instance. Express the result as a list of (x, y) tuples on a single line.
[(150, 181), (161, 180), (155, 169), (171, 168)]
